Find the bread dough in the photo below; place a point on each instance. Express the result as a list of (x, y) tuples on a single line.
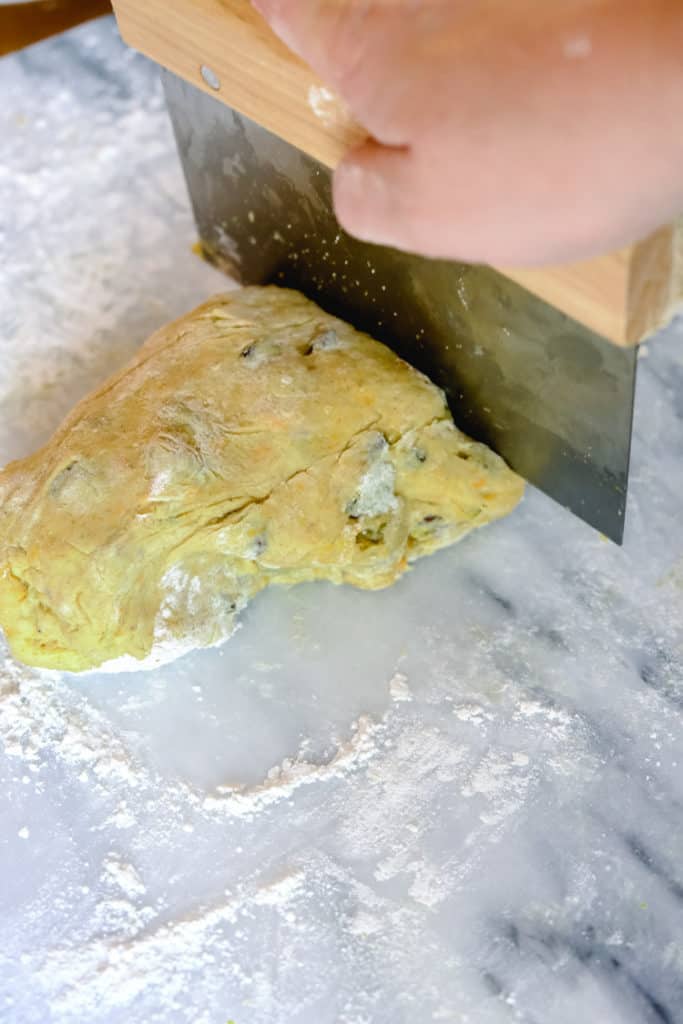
[(256, 440)]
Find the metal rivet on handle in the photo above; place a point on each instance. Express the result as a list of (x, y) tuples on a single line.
[(210, 77)]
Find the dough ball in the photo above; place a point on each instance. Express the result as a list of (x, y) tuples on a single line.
[(256, 440)]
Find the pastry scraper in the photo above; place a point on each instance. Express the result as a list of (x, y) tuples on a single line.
[(540, 365)]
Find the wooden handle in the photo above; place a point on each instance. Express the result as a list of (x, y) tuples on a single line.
[(627, 295), (25, 23), (255, 72), (623, 296)]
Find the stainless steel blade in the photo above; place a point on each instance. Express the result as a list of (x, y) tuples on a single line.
[(553, 398)]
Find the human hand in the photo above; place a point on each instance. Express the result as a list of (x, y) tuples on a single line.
[(513, 132)]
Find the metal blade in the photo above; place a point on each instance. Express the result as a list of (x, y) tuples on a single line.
[(553, 398)]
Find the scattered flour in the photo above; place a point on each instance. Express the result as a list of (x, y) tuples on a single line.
[(123, 875), (41, 718), (283, 780), (280, 891), (364, 923), (391, 792), (399, 689)]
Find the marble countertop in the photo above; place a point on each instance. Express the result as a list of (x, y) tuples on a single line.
[(456, 801)]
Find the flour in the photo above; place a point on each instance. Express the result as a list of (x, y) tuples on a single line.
[(187, 619), (113, 973), (328, 107), (158, 485), (375, 495), (391, 787), (41, 717), (41, 720), (122, 818), (162, 653), (283, 780), (124, 876), (399, 689), (280, 891)]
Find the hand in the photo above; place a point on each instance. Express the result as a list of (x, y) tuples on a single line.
[(514, 132)]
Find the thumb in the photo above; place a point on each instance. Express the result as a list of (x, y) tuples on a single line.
[(374, 190)]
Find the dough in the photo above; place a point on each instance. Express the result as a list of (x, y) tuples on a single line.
[(256, 440)]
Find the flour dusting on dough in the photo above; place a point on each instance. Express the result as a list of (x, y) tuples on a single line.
[(327, 106), (180, 590)]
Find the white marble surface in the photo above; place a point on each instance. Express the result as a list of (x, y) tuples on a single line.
[(498, 838)]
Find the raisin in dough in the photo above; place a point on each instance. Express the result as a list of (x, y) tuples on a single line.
[(256, 440)]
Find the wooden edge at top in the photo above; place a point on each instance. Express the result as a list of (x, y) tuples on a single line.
[(254, 71), (655, 292), (594, 292), (22, 24)]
